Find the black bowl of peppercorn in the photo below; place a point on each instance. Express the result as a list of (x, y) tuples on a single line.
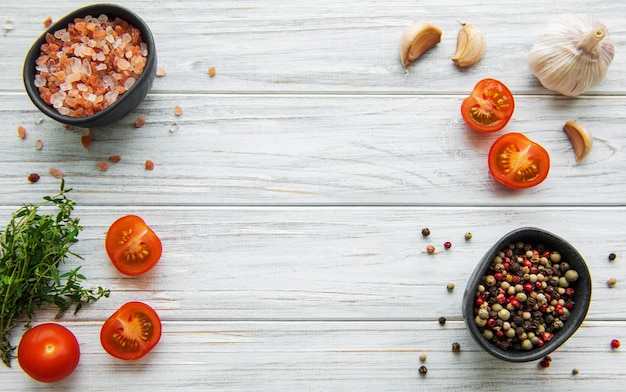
[(529, 293), (92, 67)]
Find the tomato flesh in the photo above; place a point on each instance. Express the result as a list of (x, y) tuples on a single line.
[(131, 332), (489, 107), (132, 246), (518, 162), (48, 352)]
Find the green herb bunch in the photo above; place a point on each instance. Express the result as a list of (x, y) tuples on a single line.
[(33, 246)]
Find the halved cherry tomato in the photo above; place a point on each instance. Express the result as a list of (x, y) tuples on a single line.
[(518, 162), (132, 246), (489, 107), (48, 352), (131, 332)]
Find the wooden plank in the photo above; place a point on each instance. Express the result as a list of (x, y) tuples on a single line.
[(369, 356), (300, 149), (326, 46), (344, 263)]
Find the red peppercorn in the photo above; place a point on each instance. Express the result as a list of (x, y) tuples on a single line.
[(528, 287), (539, 343), (507, 266), (515, 303), (544, 364), (569, 291), (501, 299), (491, 323), (447, 244), (538, 285), (479, 301), (516, 279), (546, 254), (546, 336), (498, 275), (615, 344), (500, 333), (543, 308)]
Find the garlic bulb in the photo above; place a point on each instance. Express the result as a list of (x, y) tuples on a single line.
[(572, 54)]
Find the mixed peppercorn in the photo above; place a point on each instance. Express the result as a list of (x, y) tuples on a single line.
[(525, 297)]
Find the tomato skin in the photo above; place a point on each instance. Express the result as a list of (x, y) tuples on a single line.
[(489, 107), (131, 332), (48, 352), (132, 246), (518, 162)]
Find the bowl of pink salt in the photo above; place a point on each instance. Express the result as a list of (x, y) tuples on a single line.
[(92, 67)]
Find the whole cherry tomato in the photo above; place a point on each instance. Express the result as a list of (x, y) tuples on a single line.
[(518, 162), (131, 332), (48, 352), (132, 246), (489, 107)]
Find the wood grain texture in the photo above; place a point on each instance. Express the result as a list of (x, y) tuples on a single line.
[(290, 196)]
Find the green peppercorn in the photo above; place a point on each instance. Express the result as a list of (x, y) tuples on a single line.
[(422, 357), (468, 236), (425, 231), (571, 276), (555, 257), (488, 334), (504, 314), (450, 286), (483, 313), (527, 344), (612, 282), (480, 322), (563, 282)]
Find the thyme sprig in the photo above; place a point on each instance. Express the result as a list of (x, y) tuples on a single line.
[(33, 246)]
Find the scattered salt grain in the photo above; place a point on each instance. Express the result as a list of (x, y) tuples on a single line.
[(38, 144), (160, 71), (173, 127), (103, 166), (21, 132), (178, 110), (56, 173)]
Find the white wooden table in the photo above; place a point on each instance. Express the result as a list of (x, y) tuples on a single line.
[(291, 194)]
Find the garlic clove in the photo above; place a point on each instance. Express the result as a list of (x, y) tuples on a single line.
[(470, 46), (416, 40), (572, 54), (581, 139)]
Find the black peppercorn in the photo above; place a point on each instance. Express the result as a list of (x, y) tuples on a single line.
[(425, 231), (442, 320), (423, 370), (612, 257), (456, 347)]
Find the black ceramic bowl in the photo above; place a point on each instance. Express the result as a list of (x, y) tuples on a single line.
[(582, 296), (125, 102)]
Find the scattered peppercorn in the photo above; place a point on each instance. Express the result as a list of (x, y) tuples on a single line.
[(33, 177), (450, 286), (425, 231), (422, 357), (544, 364), (456, 347), (423, 370), (612, 282), (468, 236), (442, 320), (575, 372), (615, 344), (115, 158), (430, 249), (447, 244), (612, 256), (160, 71)]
